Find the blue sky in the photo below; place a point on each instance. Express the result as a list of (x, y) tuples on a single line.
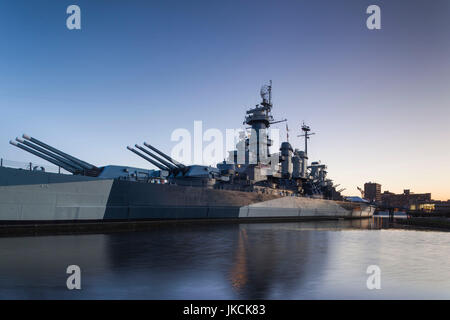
[(137, 70)]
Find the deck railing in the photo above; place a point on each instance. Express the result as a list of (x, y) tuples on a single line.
[(32, 166)]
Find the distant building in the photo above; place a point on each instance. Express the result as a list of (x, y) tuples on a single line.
[(406, 200), (442, 206), (435, 206), (372, 191)]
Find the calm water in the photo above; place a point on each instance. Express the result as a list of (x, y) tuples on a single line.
[(320, 260)]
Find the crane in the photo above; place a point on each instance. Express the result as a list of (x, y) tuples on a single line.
[(362, 192)]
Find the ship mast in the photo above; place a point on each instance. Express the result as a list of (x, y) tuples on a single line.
[(306, 129)]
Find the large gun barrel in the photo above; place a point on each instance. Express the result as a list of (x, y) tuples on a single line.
[(158, 165), (81, 163), (176, 163), (167, 164), (50, 154), (43, 156)]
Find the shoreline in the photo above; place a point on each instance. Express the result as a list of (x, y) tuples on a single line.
[(88, 227), (436, 223)]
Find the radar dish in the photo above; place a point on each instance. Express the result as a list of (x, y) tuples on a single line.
[(265, 91)]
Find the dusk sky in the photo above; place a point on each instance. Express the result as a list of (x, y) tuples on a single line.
[(378, 100)]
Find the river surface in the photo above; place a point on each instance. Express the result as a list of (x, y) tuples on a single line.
[(296, 260)]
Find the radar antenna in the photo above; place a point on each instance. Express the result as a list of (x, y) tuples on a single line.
[(287, 132), (266, 93)]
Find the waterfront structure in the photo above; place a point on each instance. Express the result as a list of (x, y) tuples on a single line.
[(434, 206), (405, 200), (441, 206)]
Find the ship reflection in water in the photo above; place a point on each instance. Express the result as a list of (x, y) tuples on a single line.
[(307, 260)]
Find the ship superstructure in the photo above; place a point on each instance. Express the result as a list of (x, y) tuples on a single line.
[(251, 167)]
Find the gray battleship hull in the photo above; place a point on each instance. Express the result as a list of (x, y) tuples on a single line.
[(34, 197)]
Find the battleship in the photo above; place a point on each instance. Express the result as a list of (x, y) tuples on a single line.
[(251, 184)]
